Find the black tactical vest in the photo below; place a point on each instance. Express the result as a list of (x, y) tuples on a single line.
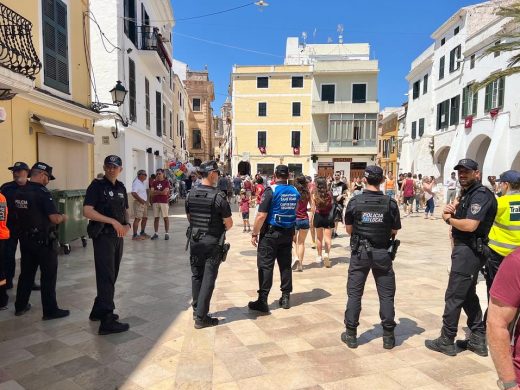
[(201, 207), (29, 214), (372, 219), (114, 205)]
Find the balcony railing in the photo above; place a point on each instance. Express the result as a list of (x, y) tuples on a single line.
[(148, 38), (17, 52)]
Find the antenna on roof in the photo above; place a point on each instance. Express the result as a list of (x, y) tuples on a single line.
[(340, 30), (304, 38)]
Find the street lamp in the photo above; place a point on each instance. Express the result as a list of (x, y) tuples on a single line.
[(118, 94), (118, 97)]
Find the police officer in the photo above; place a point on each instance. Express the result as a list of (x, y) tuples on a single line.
[(209, 214), (471, 219), (37, 218), (274, 224), (106, 205), (372, 219)]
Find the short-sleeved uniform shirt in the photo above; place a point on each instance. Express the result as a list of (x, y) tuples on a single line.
[(102, 192), (479, 204), (394, 209), (506, 289), (8, 190), (33, 215), (267, 198), (222, 206), (160, 185)]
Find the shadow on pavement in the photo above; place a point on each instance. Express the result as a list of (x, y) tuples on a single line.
[(314, 295), (405, 329)]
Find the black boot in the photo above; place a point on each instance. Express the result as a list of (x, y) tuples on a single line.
[(284, 301), (388, 339), (476, 342), (57, 313), (259, 305), (205, 322), (110, 325), (350, 338), (443, 344)]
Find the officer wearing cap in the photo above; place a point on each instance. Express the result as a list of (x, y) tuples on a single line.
[(372, 219), (471, 219), (273, 233), (209, 214), (106, 205), (37, 218)]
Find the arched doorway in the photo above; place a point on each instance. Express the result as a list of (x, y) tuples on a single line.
[(478, 148), (442, 156), (516, 162), (244, 168)]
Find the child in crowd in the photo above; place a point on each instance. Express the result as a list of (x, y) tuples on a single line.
[(244, 209)]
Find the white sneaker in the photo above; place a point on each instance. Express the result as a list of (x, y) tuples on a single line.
[(319, 259), (326, 261)]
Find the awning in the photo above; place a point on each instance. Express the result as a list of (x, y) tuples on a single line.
[(62, 129)]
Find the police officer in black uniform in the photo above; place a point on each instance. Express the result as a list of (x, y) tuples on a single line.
[(274, 224), (106, 205), (209, 214), (372, 219), (471, 220), (37, 219)]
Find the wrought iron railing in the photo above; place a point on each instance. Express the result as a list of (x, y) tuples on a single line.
[(149, 38), (17, 52)]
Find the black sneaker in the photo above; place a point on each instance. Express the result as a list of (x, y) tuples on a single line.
[(388, 339), (58, 313), (21, 312), (442, 344), (259, 305), (205, 322), (350, 338), (96, 317), (475, 343), (110, 325), (284, 301)]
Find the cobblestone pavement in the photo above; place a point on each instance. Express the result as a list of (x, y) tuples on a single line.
[(288, 349)]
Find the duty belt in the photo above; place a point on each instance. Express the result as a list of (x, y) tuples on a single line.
[(279, 229)]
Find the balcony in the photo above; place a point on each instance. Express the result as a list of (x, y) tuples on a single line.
[(150, 41), (341, 107), (19, 62), (350, 147)]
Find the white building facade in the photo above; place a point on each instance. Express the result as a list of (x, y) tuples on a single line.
[(130, 46), (447, 121)]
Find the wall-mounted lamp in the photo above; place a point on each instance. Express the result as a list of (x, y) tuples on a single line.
[(156, 152), (149, 150)]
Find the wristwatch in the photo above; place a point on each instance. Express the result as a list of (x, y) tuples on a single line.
[(506, 385), (447, 220)]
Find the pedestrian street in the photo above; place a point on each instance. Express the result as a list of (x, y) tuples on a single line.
[(287, 349)]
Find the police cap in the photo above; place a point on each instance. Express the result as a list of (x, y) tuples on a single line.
[(208, 166), (45, 168), (113, 160), (282, 171), (373, 171), (510, 176), (19, 166), (467, 163)]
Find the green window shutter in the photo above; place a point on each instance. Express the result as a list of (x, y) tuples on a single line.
[(465, 93), (501, 88), (487, 102), (475, 104), (55, 45)]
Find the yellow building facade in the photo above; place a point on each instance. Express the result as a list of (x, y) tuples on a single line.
[(271, 118), (387, 143), (49, 118)]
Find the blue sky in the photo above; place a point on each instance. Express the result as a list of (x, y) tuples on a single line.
[(398, 31)]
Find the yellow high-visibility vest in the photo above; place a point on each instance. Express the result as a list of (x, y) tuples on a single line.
[(504, 236)]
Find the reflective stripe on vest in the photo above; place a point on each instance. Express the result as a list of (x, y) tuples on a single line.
[(4, 231), (504, 236)]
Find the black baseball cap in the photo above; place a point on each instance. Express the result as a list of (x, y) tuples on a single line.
[(282, 171), (113, 160), (208, 166), (467, 163), (373, 171), (18, 166), (510, 176), (44, 167)]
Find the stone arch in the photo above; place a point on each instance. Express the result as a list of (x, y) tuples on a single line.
[(440, 159), (516, 163), (478, 148), (244, 168)]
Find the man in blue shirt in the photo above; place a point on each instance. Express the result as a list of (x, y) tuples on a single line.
[(273, 233)]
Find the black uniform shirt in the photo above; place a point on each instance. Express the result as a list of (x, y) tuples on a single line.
[(108, 199), (394, 209), (222, 206), (479, 204), (33, 215), (9, 190), (267, 198)]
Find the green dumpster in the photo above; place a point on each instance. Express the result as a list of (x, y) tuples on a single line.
[(70, 202)]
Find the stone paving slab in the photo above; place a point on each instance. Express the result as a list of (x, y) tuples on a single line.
[(298, 348)]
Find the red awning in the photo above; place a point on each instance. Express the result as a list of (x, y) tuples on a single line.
[(165, 52)]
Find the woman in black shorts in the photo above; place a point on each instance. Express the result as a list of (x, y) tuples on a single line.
[(323, 220)]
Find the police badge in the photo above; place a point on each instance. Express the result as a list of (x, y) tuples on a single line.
[(475, 208)]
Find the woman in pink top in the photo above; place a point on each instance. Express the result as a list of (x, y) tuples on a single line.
[(323, 220), (302, 221)]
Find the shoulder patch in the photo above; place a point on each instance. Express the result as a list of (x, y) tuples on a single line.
[(475, 208)]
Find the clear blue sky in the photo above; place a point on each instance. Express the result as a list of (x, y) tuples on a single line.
[(398, 31)]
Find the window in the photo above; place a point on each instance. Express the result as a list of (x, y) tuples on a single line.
[(443, 114), (328, 93), (158, 115), (469, 101), (472, 61), (131, 90), (262, 82), (454, 110), (55, 45), (297, 82), (296, 109), (262, 139), (196, 139), (295, 139), (171, 125), (359, 93), (454, 59), (265, 169), (295, 169), (441, 68), (443, 41), (352, 129), (196, 104), (414, 130), (494, 95), (147, 101), (130, 13), (262, 109), (421, 127), (164, 119), (425, 84), (456, 31), (497, 53), (416, 89)]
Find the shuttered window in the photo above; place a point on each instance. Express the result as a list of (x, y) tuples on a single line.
[(131, 92), (147, 102), (55, 47), (158, 115)]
